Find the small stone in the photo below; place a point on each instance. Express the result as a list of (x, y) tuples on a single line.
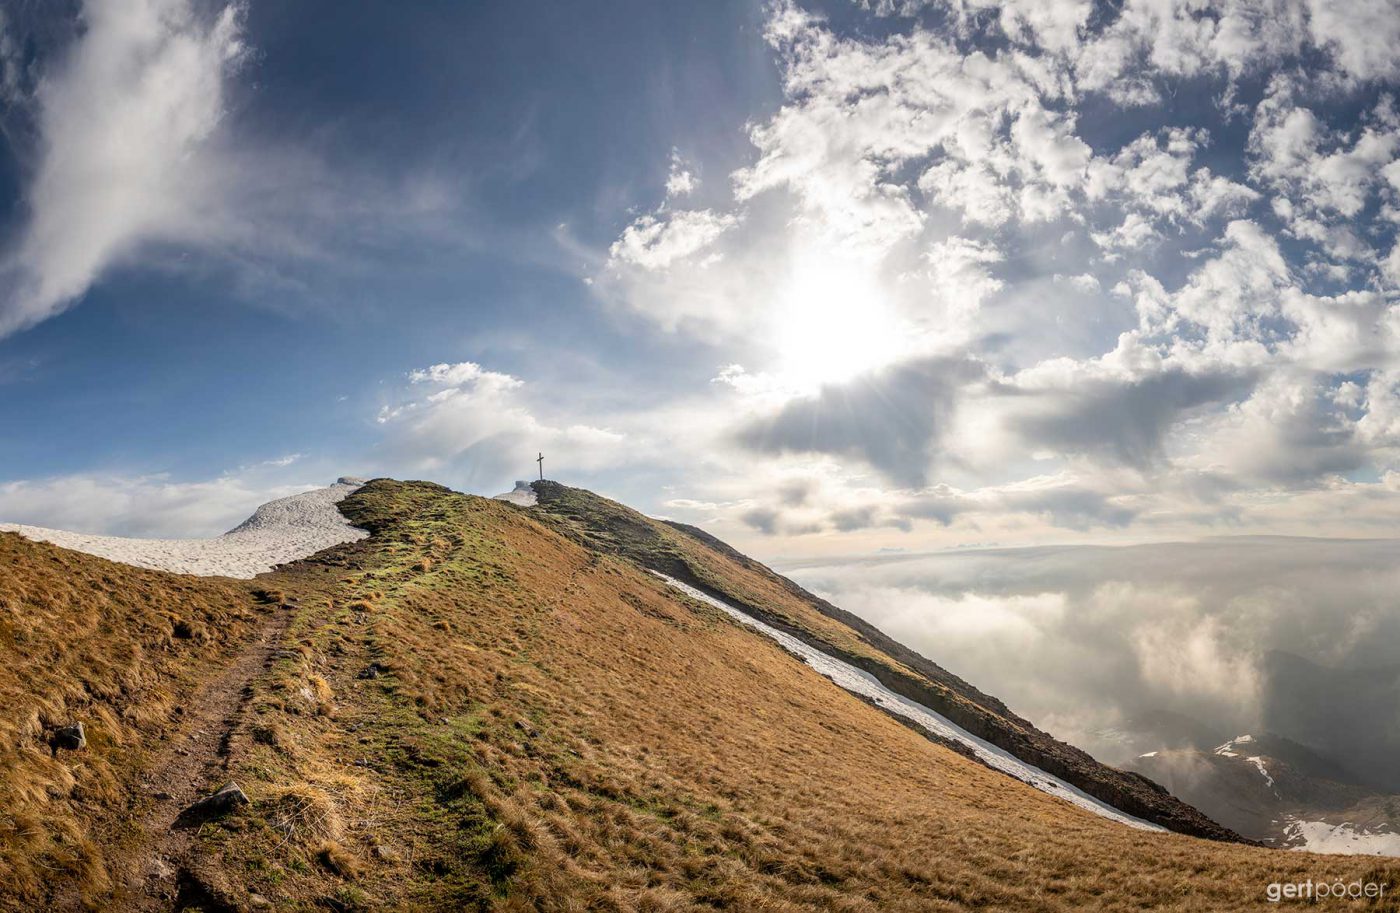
[(387, 853), (70, 738), (224, 800)]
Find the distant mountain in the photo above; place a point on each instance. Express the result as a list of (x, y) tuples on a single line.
[(1281, 793)]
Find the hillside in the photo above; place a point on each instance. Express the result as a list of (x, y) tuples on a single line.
[(696, 558), (483, 706)]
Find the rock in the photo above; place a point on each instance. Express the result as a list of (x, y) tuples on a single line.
[(71, 738), (228, 797), (387, 853), (259, 902)]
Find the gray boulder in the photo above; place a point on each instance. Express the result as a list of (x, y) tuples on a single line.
[(227, 798), (70, 738)]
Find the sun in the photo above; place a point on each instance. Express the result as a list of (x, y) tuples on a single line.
[(833, 323)]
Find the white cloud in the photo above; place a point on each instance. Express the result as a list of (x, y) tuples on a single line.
[(142, 506), (456, 375), (128, 123), (1362, 35), (656, 242), (478, 427), (929, 195), (681, 180)]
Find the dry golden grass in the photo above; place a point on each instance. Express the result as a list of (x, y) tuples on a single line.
[(112, 646), (579, 738), (550, 729)]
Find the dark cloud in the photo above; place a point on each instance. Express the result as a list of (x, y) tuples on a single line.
[(763, 519), (796, 492), (1122, 421), (853, 519), (1071, 506), (893, 419)]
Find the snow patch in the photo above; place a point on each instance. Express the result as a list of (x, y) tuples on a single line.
[(522, 494), (1258, 762), (278, 532), (1321, 837), (860, 682), (1228, 749)]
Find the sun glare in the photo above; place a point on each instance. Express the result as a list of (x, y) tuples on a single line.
[(834, 323)]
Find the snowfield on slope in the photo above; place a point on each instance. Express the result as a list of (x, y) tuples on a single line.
[(1321, 837), (278, 532), (857, 681)]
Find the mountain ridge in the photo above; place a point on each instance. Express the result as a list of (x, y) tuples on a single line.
[(470, 710)]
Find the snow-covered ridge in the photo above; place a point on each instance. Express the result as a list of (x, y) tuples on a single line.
[(857, 681), (278, 532)]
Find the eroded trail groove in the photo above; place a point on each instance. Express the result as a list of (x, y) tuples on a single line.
[(165, 875)]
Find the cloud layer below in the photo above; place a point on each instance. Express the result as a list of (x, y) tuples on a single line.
[(1096, 643)]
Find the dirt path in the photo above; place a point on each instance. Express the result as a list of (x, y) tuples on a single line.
[(196, 764)]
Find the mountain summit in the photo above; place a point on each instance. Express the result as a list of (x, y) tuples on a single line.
[(564, 705)]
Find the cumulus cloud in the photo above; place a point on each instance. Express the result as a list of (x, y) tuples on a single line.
[(1173, 321), (472, 426)]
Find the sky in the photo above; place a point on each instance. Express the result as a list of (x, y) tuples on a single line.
[(826, 278)]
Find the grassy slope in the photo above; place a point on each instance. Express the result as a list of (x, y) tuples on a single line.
[(83, 639), (550, 728), (695, 557)]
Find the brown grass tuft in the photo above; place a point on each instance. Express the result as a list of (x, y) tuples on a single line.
[(337, 860), (305, 815)]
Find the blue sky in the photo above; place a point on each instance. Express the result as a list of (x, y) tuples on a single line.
[(824, 277)]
